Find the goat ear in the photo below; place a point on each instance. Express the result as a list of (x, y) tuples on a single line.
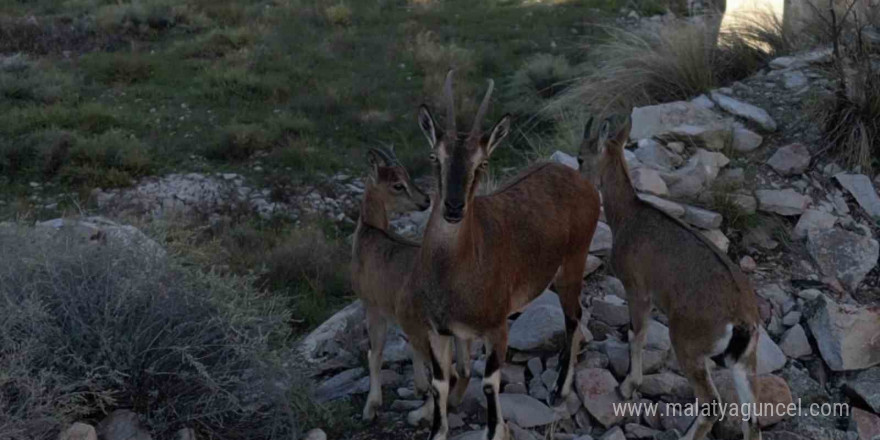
[(499, 132), (427, 124), (375, 160), (622, 135)]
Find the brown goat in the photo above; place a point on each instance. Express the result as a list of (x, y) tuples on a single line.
[(484, 257), (710, 304), (381, 261)]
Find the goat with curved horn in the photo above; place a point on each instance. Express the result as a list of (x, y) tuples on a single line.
[(484, 257)]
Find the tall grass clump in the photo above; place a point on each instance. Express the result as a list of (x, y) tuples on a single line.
[(851, 114), (89, 328), (678, 61)]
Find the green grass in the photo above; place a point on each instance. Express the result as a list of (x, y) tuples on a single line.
[(217, 78)]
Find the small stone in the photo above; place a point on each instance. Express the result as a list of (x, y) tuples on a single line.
[(770, 356), (535, 366), (614, 433), (791, 318), (658, 337), (747, 264), (79, 431), (702, 218), (597, 389), (867, 424), (813, 220), (809, 294), (316, 434), (565, 159), (526, 411), (592, 264), (667, 206), (406, 405), (862, 189), (794, 79), (340, 385), (513, 374), (790, 160), (676, 147), (782, 202), (666, 384), (601, 243), (718, 239), (867, 386), (744, 110), (515, 388), (122, 424), (612, 312), (639, 432), (648, 180), (794, 343), (745, 140)]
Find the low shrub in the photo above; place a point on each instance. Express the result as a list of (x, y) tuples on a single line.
[(86, 329)]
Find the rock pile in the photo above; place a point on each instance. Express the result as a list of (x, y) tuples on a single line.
[(811, 256)]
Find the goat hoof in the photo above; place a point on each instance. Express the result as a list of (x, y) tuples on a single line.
[(369, 412), (627, 388)]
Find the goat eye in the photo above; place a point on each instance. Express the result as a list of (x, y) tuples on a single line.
[(399, 187), (484, 164), (433, 157)]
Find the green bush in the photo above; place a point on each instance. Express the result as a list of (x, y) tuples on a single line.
[(110, 159), (86, 329), (541, 77), (119, 68)]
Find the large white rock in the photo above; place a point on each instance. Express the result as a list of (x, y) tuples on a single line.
[(744, 110), (813, 220), (650, 153), (847, 335), (656, 120), (100, 229), (860, 186), (790, 160), (844, 255), (781, 201), (540, 326)]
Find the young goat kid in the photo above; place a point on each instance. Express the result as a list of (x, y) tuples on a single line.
[(711, 307), (381, 261), (484, 257)]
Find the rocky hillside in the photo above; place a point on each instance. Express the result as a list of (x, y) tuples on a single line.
[(744, 166)]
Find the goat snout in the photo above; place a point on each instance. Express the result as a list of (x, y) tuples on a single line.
[(453, 211)]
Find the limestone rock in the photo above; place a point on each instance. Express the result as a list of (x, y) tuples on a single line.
[(540, 326), (611, 310), (744, 110), (772, 390), (702, 218), (99, 229), (666, 384), (597, 389), (601, 243), (790, 160), (648, 180), (770, 356), (745, 140), (867, 386), (844, 255), (813, 220), (794, 343), (654, 155), (846, 334), (862, 189), (565, 159), (783, 202), (747, 264), (668, 206), (718, 239), (122, 424), (316, 434), (340, 385), (525, 411), (867, 424), (655, 120), (79, 431)]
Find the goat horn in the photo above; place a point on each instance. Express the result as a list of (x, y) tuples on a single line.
[(386, 155), (450, 105), (484, 106)]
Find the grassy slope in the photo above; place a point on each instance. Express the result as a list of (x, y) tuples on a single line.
[(110, 92)]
